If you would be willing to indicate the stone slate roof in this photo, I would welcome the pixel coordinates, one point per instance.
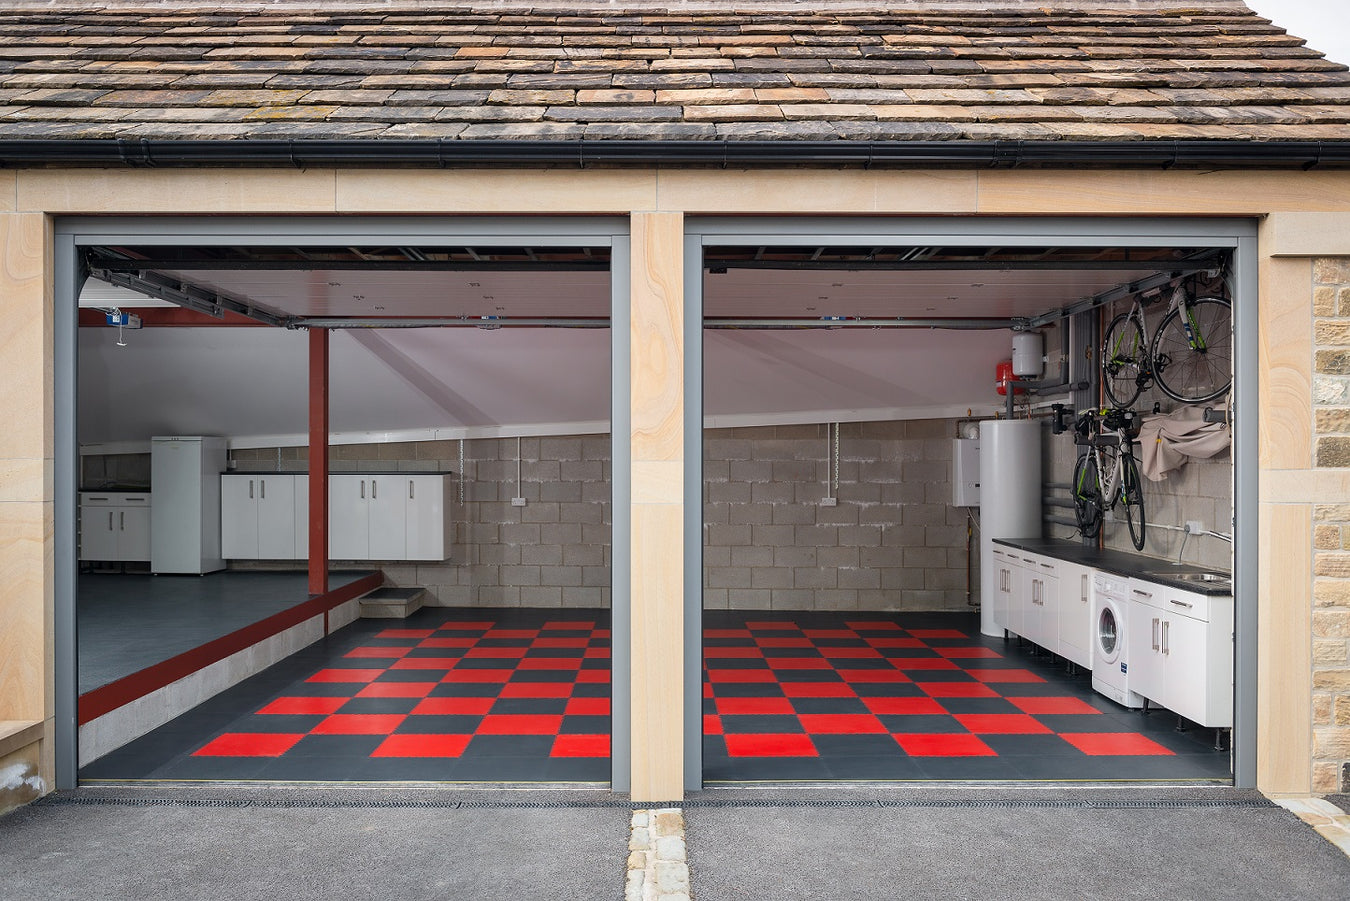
(458, 74)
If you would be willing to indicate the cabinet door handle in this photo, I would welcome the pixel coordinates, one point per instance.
(1165, 648)
(1155, 633)
(1085, 588)
(250, 489)
(363, 489)
(1180, 603)
(372, 489)
(262, 489)
(1143, 594)
(122, 521)
(110, 528)
(410, 489)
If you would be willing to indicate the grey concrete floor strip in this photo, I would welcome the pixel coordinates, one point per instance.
(122, 851)
(1009, 853)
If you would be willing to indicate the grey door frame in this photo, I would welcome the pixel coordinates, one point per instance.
(1237, 235)
(73, 233)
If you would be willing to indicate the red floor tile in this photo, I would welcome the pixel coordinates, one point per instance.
(1005, 675)
(741, 675)
(453, 706)
(478, 675)
(873, 675)
(712, 724)
(1109, 744)
(818, 690)
(346, 675)
(587, 707)
(512, 633)
(535, 663)
(447, 643)
(873, 626)
(799, 663)
(422, 746)
(591, 676)
(503, 653)
(707, 690)
(937, 633)
(425, 663)
(520, 724)
(536, 690)
(406, 633)
(904, 706)
(597, 653)
(600, 633)
(770, 746)
(841, 653)
(359, 724)
(1001, 724)
(559, 642)
(957, 690)
(397, 690)
(841, 723)
(724, 653)
(304, 705)
(969, 653)
(1053, 705)
(377, 652)
(580, 746)
(249, 744)
(956, 745)
(748, 706)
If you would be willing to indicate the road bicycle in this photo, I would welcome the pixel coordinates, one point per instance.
(1190, 356)
(1107, 473)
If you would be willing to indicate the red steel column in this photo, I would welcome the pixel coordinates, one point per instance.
(318, 461)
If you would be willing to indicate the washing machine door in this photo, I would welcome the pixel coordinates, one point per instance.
(1110, 633)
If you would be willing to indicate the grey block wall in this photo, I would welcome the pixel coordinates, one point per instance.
(892, 541)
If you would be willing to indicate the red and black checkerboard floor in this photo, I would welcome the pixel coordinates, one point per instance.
(819, 696)
(524, 696)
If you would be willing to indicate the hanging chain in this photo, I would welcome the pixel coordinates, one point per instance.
(461, 470)
(834, 480)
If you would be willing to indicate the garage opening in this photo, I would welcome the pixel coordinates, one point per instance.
(904, 573)
(464, 630)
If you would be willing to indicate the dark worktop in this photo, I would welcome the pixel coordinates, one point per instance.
(1118, 563)
(382, 472)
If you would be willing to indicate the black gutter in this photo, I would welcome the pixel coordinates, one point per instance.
(431, 153)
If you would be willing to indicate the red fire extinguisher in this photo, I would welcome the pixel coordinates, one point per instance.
(1003, 374)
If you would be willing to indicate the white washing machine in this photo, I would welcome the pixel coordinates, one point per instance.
(1110, 655)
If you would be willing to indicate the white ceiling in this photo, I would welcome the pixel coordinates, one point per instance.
(249, 384)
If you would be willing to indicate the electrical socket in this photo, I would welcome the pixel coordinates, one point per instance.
(517, 501)
(829, 501)
(1194, 527)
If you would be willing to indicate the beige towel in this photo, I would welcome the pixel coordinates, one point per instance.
(1165, 442)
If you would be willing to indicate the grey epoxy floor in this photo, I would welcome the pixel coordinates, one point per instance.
(127, 622)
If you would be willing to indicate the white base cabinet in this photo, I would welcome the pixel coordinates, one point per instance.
(397, 516)
(1075, 613)
(1181, 651)
(114, 527)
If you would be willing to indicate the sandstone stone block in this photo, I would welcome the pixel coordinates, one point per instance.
(1331, 623)
(1332, 742)
(1323, 706)
(1329, 652)
(1334, 565)
(1330, 270)
(1333, 452)
(1330, 391)
(1332, 680)
(1327, 538)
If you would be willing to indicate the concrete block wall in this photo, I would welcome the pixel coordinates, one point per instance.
(892, 542)
(553, 552)
(1331, 530)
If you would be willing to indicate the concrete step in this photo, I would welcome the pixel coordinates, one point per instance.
(392, 603)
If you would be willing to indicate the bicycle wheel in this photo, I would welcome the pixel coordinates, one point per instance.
(1132, 496)
(1192, 351)
(1087, 496)
(1124, 360)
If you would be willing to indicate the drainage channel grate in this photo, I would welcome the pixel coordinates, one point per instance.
(949, 803)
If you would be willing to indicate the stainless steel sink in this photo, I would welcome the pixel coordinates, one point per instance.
(1200, 578)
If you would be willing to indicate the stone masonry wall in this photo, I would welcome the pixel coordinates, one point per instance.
(893, 541)
(1331, 530)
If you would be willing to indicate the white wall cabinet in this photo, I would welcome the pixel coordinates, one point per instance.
(114, 527)
(1181, 651)
(397, 516)
(262, 516)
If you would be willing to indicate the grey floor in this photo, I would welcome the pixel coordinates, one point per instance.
(127, 621)
(244, 843)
